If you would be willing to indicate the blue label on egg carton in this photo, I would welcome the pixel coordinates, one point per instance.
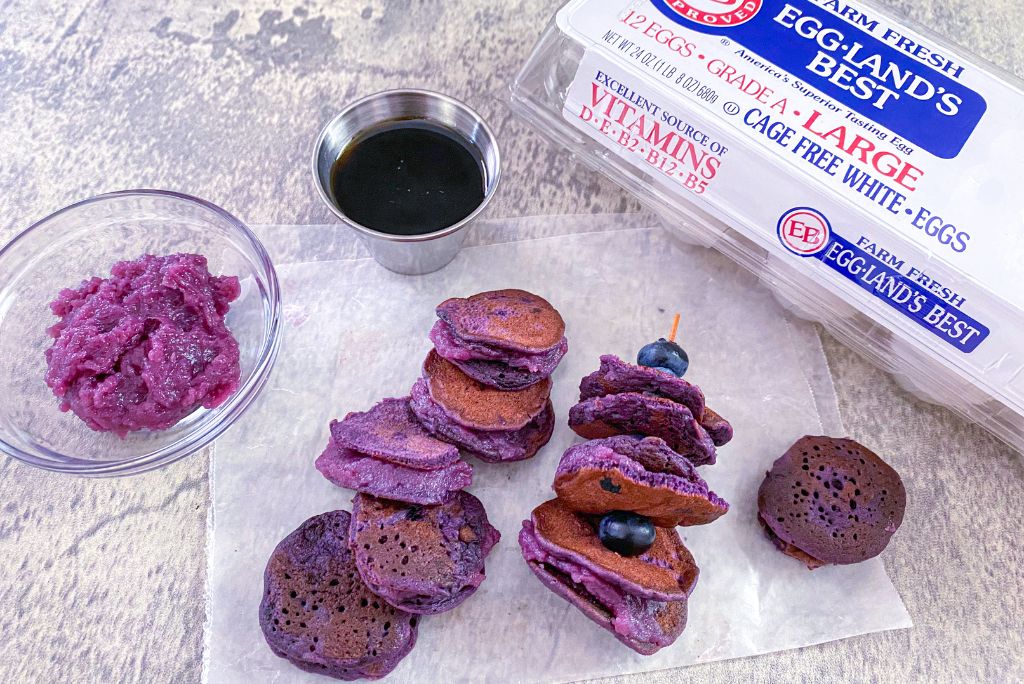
(891, 79)
(807, 232)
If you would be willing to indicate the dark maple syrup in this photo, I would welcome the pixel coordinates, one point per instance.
(408, 177)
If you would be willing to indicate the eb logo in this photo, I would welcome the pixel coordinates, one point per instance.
(804, 231)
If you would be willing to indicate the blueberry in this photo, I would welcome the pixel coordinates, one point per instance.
(664, 355)
(625, 533)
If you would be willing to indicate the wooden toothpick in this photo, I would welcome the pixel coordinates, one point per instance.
(675, 327)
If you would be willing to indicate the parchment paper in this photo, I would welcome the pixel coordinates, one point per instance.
(356, 333)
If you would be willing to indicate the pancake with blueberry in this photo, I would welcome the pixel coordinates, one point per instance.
(421, 559)
(508, 339)
(317, 613)
(623, 573)
(491, 424)
(642, 475)
(830, 501)
(616, 376)
(386, 452)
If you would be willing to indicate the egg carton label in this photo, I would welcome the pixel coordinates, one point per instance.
(754, 107)
(890, 79)
(807, 232)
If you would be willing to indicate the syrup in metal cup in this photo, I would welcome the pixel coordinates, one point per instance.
(408, 170)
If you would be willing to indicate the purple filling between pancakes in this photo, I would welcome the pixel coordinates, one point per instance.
(456, 349)
(499, 375)
(636, 413)
(633, 620)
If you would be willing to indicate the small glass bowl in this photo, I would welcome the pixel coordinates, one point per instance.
(85, 240)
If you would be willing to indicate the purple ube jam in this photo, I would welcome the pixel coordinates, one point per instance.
(145, 347)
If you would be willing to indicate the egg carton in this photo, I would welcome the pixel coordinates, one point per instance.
(860, 165)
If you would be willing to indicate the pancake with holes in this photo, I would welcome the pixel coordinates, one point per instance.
(830, 501)
(644, 414)
(641, 600)
(386, 452)
(422, 559)
(642, 475)
(318, 614)
(615, 376)
(493, 425)
(509, 339)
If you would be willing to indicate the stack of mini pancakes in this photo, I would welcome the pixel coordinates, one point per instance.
(342, 594)
(647, 432)
(486, 386)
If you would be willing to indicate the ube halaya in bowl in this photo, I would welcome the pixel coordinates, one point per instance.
(135, 327)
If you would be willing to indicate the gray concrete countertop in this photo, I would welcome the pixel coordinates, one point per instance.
(103, 580)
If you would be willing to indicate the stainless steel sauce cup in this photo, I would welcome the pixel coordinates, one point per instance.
(409, 254)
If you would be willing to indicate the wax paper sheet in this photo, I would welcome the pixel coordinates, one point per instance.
(356, 333)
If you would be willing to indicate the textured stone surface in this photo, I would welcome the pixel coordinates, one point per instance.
(103, 579)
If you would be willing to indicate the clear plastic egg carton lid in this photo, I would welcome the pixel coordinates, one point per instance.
(862, 166)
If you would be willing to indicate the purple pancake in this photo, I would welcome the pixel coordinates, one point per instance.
(421, 559)
(615, 376)
(640, 600)
(477, 406)
(718, 427)
(643, 414)
(353, 470)
(541, 364)
(643, 475)
(493, 446)
(508, 339)
(831, 501)
(390, 432)
(513, 320)
(318, 614)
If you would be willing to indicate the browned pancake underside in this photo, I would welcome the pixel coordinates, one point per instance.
(599, 490)
(477, 405)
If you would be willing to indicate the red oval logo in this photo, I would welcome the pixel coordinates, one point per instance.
(716, 12)
(804, 231)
